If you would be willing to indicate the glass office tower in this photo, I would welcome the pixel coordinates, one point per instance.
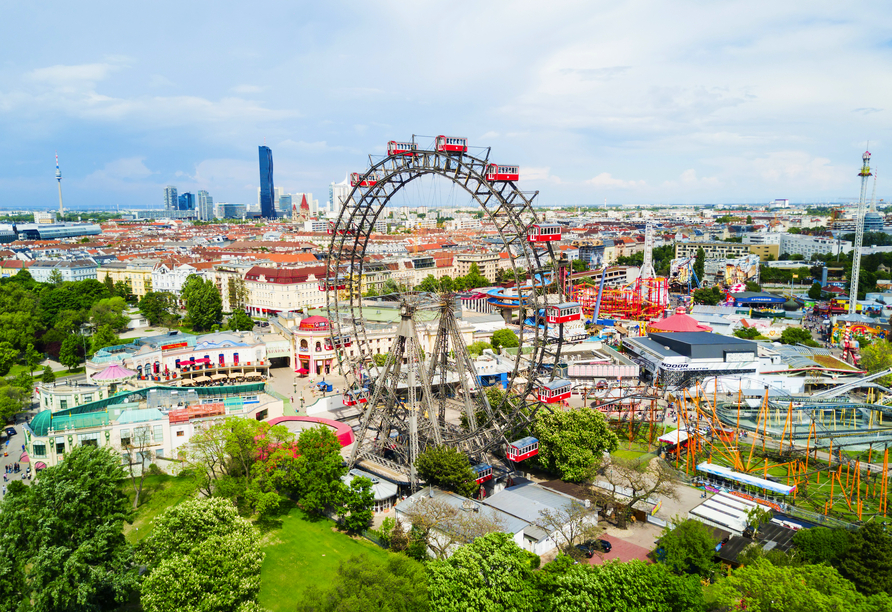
(267, 189)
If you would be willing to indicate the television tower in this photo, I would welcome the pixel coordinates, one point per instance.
(59, 179)
(859, 233)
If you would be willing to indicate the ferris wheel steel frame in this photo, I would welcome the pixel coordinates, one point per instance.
(401, 435)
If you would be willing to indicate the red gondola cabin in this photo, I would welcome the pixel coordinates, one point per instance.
(357, 180)
(523, 449)
(554, 391)
(563, 313)
(337, 284)
(483, 472)
(341, 231)
(401, 148)
(544, 232)
(339, 342)
(351, 398)
(451, 144)
(495, 173)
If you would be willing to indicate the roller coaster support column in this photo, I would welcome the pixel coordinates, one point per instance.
(600, 293)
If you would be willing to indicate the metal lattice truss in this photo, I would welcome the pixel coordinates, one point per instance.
(414, 400)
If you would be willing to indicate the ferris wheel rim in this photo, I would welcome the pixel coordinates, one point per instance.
(367, 194)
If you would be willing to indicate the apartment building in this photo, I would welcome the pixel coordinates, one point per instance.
(274, 290)
(713, 250)
(135, 272)
(487, 263)
(70, 271)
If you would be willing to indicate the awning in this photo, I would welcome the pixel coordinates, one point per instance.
(40, 465)
(202, 360)
(253, 375)
(674, 437)
(202, 379)
(729, 474)
(187, 382)
(303, 371)
(25, 458)
(219, 377)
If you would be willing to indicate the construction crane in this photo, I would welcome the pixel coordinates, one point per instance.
(859, 232)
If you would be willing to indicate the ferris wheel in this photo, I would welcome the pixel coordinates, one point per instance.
(430, 394)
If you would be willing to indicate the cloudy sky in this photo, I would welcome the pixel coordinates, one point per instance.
(635, 101)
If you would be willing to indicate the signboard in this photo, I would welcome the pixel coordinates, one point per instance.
(741, 270)
(167, 347)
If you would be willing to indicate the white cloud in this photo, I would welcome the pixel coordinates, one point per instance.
(605, 180)
(61, 75)
(528, 173)
(247, 89)
(126, 174)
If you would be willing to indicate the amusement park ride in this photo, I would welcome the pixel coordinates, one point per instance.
(417, 400)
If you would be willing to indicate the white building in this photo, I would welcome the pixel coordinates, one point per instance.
(204, 206)
(70, 271)
(172, 279)
(809, 246)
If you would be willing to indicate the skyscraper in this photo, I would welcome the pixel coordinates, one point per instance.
(170, 198)
(204, 205)
(186, 201)
(267, 189)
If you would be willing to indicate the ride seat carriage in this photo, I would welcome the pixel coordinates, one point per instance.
(401, 148)
(357, 180)
(544, 232)
(554, 391)
(496, 173)
(563, 313)
(523, 449)
(451, 144)
(352, 398)
(483, 472)
(332, 284)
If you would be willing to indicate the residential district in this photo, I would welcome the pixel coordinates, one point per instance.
(489, 405)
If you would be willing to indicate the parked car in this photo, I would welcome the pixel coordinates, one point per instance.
(586, 550)
(10, 431)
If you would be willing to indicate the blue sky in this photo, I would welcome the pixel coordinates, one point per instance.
(640, 101)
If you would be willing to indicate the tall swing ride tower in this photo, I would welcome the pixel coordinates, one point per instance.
(859, 232)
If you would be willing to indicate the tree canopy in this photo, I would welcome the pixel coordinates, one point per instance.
(204, 307)
(504, 338)
(63, 547)
(688, 547)
(448, 468)
(571, 443)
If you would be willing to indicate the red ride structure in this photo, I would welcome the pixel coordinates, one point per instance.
(563, 313)
(496, 173)
(643, 300)
(356, 180)
(523, 449)
(451, 144)
(483, 472)
(401, 148)
(554, 391)
(544, 232)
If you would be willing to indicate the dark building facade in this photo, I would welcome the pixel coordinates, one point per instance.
(267, 188)
(186, 201)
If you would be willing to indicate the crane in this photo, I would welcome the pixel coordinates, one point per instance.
(859, 232)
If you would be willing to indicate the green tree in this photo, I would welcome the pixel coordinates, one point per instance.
(201, 555)
(876, 358)
(504, 338)
(688, 547)
(32, 358)
(238, 294)
(795, 335)
(700, 263)
(55, 277)
(747, 333)
(70, 353)
(357, 503)
(822, 545)
(476, 349)
(158, 307)
(709, 297)
(240, 321)
(63, 540)
(754, 287)
(815, 291)
(320, 468)
(633, 586)
(109, 311)
(204, 306)
(571, 443)
(13, 400)
(363, 584)
(48, 375)
(104, 336)
(447, 468)
(380, 359)
(390, 286)
(868, 561)
(8, 356)
(579, 265)
(429, 284)
(762, 586)
(749, 220)
(491, 574)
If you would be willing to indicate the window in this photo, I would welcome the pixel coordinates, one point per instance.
(88, 398)
(158, 434)
(181, 433)
(159, 452)
(88, 439)
(40, 450)
(63, 404)
(60, 445)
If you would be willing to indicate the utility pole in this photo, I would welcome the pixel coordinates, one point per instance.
(859, 233)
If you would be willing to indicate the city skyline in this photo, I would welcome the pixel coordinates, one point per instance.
(635, 103)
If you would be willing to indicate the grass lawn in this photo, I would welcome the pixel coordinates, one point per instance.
(158, 494)
(303, 552)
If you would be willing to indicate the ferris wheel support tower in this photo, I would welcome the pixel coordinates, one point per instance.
(647, 266)
(859, 232)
